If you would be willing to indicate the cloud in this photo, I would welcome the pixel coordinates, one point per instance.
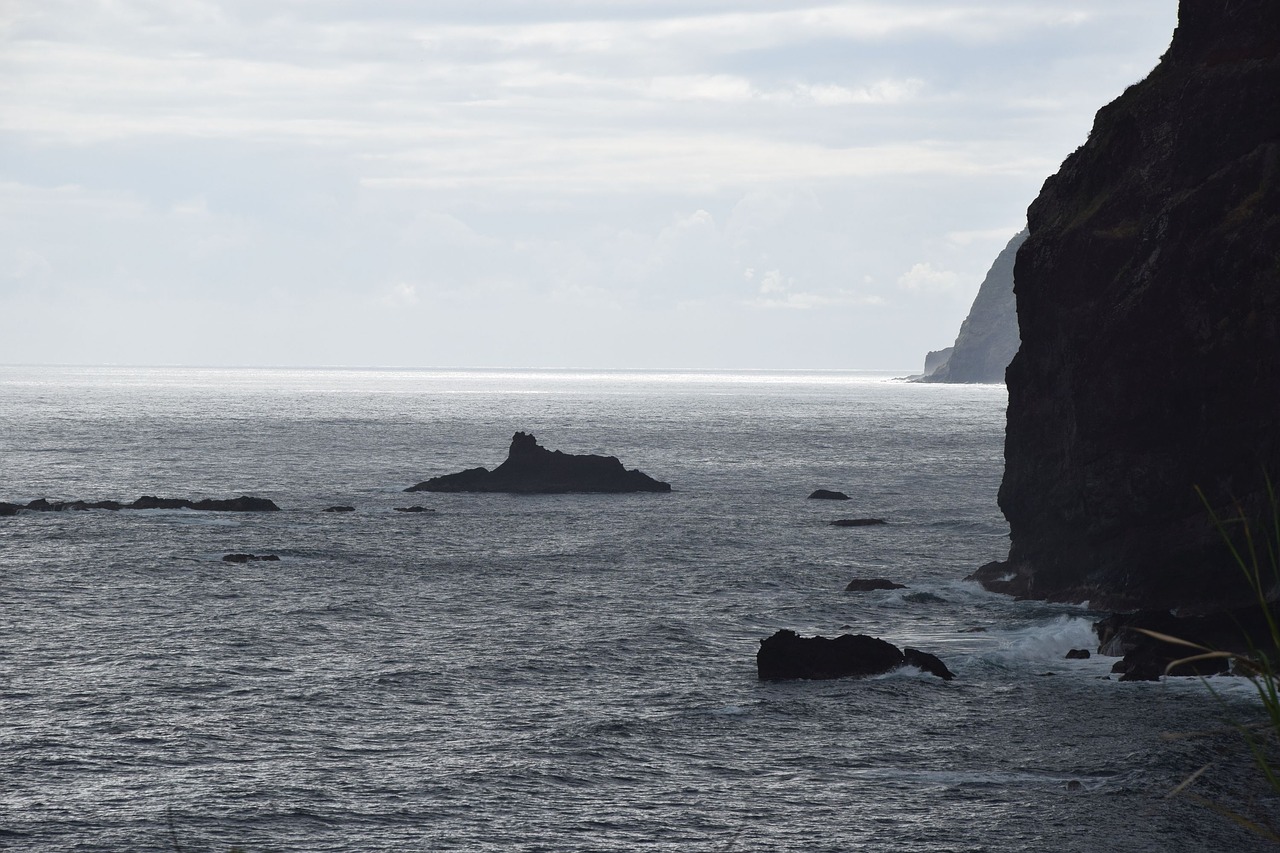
(924, 277)
(754, 165)
(400, 295)
(886, 91)
(777, 291)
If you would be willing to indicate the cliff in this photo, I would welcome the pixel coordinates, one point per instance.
(1147, 295)
(988, 337)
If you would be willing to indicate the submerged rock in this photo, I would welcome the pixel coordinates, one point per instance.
(828, 495)
(924, 598)
(250, 558)
(786, 655)
(339, 509)
(532, 469)
(46, 505)
(1078, 654)
(870, 584)
(857, 522)
(244, 503)
(414, 508)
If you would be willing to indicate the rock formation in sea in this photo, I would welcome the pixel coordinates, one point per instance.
(787, 655)
(827, 495)
(532, 469)
(872, 584)
(244, 503)
(988, 337)
(1148, 295)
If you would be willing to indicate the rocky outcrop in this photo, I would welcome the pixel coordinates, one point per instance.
(926, 662)
(244, 503)
(827, 495)
(339, 509)
(250, 558)
(414, 508)
(857, 522)
(787, 655)
(1148, 295)
(988, 337)
(532, 469)
(872, 584)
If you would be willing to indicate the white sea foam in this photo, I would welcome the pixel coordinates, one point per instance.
(1048, 641)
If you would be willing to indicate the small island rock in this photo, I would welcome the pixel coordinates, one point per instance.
(250, 558)
(857, 522)
(786, 655)
(532, 469)
(828, 495)
(870, 584)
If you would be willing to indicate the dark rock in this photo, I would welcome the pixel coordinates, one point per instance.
(9, 509)
(244, 503)
(250, 558)
(532, 469)
(787, 655)
(869, 584)
(1078, 654)
(828, 495)
(924, 598)
(46, 505)
(996, 576)
(414, 508)
(976, 629)
(988, 337)
(857, 522)
(240, 504)
(340, 509)
(1148, 296)
(1146, 658)
(1120, 633)
(926, 662)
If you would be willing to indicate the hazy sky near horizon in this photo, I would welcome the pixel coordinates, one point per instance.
(565, 183)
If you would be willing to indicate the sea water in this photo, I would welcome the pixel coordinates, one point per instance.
(560, 672)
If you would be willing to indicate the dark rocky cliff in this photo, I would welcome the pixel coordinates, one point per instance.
(1148, 297)
(988, 337)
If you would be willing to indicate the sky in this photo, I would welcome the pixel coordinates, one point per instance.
(530, 183)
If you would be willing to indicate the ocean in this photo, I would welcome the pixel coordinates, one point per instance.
(560, 672)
